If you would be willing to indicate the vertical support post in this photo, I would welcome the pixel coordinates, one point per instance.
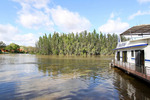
(131, 34)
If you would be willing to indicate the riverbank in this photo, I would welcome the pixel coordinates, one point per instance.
(112, 55)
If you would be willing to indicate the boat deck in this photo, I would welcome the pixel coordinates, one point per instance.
(131, 69)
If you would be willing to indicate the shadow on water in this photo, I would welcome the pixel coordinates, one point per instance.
(61, 77)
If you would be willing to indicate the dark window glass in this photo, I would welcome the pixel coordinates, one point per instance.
(118, 56)
(132, 53)
(124, 56)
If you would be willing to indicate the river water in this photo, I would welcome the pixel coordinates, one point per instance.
(35, 77)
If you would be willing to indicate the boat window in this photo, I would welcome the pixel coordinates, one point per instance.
(118, 56)
(124, 56)
(132, 53)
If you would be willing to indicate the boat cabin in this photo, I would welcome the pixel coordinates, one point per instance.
(133, 55)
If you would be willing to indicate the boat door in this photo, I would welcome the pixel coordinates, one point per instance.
(139, 60)
(118, 56)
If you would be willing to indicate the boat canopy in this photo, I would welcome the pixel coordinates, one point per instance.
(138, 30)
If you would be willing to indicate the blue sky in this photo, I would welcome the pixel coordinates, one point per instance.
(23, 21)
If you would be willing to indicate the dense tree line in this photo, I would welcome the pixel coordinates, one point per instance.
(84, 43)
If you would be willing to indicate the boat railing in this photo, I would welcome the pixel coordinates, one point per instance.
(131, 67)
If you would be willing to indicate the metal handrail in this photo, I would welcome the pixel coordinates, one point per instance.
(131, 66)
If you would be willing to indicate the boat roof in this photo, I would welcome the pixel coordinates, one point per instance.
(138, 30)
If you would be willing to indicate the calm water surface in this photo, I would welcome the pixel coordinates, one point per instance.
(66, 78)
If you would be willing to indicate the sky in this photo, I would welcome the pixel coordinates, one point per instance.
(23, 21)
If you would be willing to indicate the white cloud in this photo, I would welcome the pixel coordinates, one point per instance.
(7, 32)
(34, 14)
(34, 20)
(69, 21)
(139, 13)
(28, 39)
(114, 26)
(10, 34)
(37, 14)
(6, 29)
(143, 1)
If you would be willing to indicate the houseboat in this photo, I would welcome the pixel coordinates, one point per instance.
(133, 56)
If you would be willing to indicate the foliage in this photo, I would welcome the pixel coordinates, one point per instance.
(123, 39)
(14, 48)
(31, 50)
(83, 43)
(2, 45)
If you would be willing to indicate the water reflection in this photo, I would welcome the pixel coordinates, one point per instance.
(59, 77)
(129, 87)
